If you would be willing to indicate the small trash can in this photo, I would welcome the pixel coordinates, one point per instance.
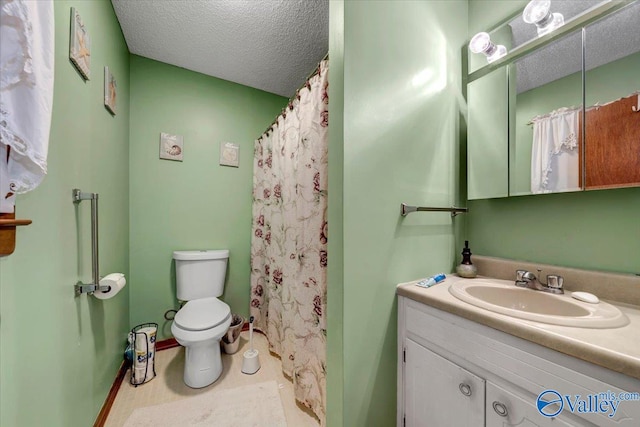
(143, 344)
(231, 340)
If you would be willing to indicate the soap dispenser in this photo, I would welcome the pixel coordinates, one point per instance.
(466, 267)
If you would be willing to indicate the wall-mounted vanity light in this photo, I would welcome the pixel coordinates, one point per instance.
(538, 12)
(481, 43)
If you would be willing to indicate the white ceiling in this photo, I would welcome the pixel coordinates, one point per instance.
(272, 45)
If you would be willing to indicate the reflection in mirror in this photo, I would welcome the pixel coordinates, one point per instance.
(545, 94)
(516, 32)
(538, 12)
(487, 146)
(612, 89)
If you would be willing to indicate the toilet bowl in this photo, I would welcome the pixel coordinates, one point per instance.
(199, 326)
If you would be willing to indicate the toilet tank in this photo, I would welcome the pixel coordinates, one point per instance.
(200, 274)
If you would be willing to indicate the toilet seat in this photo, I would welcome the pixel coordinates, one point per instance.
(202, 314)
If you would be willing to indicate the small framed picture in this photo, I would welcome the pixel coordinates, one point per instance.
(80, 45)
(229, 154)
(171, 147)
(110, 91)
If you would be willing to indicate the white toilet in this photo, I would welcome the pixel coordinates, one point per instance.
(204, 319)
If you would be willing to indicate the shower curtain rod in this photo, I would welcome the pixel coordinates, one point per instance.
(591, 107)
(289, 103)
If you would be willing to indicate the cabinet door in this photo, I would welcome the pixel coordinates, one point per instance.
(438, 392)
(505, 409)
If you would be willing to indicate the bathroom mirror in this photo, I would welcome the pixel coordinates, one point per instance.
(612, 90)
(487, 130)
(545, 94)
(545, 81)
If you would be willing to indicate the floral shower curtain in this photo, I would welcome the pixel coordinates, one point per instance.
(289, 239)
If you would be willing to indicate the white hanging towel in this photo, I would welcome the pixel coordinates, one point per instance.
(555, 161)
(26, 95)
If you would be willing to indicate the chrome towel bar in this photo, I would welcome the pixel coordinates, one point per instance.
(406, 209)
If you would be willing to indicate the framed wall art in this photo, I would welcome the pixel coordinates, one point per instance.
(80, 45)
(171, 147)
(110, 91)
(229, 154)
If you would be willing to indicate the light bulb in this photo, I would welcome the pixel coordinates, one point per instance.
(538, 12)
(481, 43)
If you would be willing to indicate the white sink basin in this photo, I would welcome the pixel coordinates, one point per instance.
(501, 296)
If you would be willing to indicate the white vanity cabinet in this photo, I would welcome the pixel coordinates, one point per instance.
(456, 372)
(440, 393)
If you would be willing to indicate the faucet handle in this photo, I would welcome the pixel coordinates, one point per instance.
(519, 275)
(555, 282)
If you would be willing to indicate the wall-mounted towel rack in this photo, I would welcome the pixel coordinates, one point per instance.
(80, 287)
(8, 224)
(12, 222)
(406, 210)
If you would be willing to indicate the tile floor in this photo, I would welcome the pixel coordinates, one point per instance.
(168, 386)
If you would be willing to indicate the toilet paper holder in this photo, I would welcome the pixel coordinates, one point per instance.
(81, 288)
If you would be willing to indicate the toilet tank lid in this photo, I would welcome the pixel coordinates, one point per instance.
(200, 255)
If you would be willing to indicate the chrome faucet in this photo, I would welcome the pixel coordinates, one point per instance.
(526, 279)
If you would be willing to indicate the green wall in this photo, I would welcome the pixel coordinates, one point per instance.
(400, 143)
(594, 229)
(59, 354)
(488, 14)
(335, 266)
(597, 230)
(194, 204)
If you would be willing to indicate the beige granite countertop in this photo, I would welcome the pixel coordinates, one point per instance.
(617, 349)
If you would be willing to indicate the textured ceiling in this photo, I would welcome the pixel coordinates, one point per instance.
(272, 45)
